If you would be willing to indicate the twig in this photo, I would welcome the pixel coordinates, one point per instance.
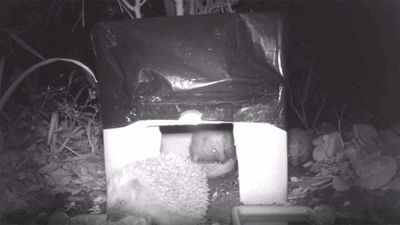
(83, 13)
(320, 108)
(295, 109)
(120, 6)
(304, 114)
(221, 4)
(89, 136)
(143, 2)
(52, 127)
(25, 45)
(229, 6)
(339, 121)
(70, 79)
(179, 7)
(200, 9)
(307, 87)
(124, 8)
(75, 100)
(64, 145)
(76, 22)
(80, 157)
(138, 4)
(298, 113)
(135, 8)
(325, 186)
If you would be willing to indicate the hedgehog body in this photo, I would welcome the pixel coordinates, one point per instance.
(165, 190)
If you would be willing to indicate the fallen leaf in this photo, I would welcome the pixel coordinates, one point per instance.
(375, 171)
(330, 145)
(368, 137)
(340, 184)
(353, 153)
(393, 184)
(391, 142)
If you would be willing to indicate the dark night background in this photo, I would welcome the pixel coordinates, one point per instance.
(353, 44)
(352, 47)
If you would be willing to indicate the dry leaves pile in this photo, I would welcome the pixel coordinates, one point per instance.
(364, 159)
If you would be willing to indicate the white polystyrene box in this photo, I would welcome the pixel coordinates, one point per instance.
(137, 141)
(260, 148)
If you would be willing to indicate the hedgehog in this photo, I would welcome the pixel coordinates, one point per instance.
(165, 190)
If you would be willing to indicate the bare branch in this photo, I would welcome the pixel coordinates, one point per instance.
(120, 6)
(83, 13)
(191, 7)
(179, 7)
(294, 107)
(143, 2)
(76, 22)
(324, 97)
(24, 45)
(135, 8)
(124, 8)
(138, 14)
(128, 5)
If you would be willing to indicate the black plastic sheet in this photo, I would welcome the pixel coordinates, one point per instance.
(227, 66)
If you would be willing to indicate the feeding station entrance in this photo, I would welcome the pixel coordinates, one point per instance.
(163, 78)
